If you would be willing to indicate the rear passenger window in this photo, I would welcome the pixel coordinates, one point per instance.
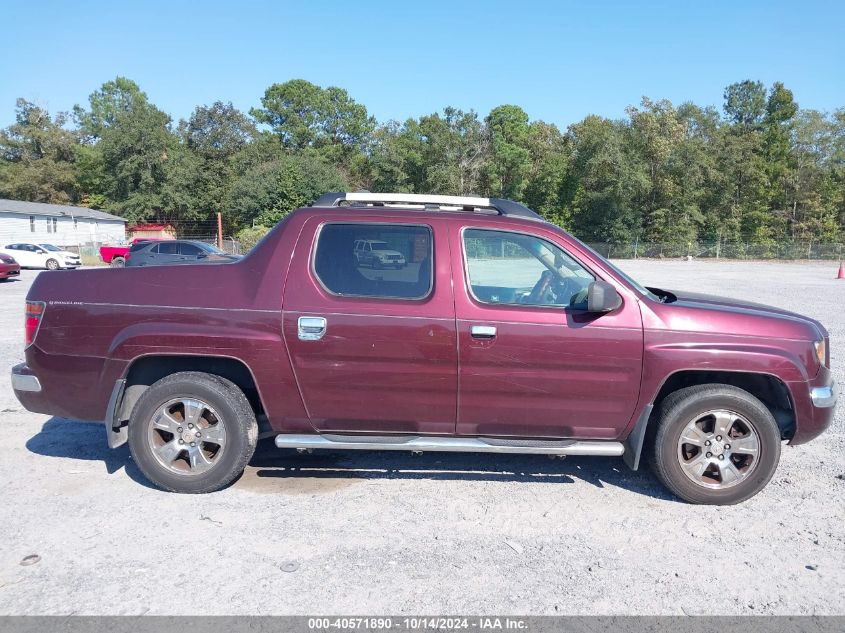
(375, 260)
(168, 248)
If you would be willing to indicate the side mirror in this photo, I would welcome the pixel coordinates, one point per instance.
(602, 297)
(202, 255)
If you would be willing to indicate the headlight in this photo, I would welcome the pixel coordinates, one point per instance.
(821, 351)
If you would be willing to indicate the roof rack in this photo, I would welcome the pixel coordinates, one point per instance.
(427, 202)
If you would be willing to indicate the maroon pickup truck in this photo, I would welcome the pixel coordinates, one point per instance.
(501, 333)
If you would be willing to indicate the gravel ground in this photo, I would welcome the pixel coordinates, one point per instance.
(364, 533)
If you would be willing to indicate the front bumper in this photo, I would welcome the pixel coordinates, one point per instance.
(825, 397)
(815, 404)
(9, 270)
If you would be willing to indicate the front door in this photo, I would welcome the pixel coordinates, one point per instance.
(373, 350)
(533, 363)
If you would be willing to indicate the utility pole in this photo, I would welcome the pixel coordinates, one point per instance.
(220, 230)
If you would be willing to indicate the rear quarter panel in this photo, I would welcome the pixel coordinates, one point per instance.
(97, 322)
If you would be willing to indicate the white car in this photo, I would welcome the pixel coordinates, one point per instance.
(47, 256)
(376, 254)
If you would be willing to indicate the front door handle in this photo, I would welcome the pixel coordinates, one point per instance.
(311, 328)
(482, 331)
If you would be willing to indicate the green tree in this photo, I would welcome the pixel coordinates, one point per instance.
(304, 115)
(510, 159)
(778, 124)
(38, 157)
(267, 192)
(134, 140)
(604, 180)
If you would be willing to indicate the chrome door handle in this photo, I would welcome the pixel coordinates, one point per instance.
(482, 331)
(311, 328)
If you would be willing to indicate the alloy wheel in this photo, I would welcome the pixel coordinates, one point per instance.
(719, 449)
(187, 436)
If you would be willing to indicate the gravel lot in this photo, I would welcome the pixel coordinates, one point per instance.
(364, 533)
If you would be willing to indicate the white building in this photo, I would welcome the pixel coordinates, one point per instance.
(58, 224)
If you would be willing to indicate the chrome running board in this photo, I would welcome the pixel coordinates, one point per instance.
(450, 444)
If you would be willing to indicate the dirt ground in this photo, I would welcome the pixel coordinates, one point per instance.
(367, 533)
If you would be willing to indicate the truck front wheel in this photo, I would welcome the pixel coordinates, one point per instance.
(715, 444)
(117, 262)
(192, 432)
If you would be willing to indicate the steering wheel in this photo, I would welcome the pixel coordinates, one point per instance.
(538, 292)
(562, 289)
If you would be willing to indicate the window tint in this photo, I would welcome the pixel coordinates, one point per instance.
(190, 249)
(402, 270)
(516, 269)
(168, 248)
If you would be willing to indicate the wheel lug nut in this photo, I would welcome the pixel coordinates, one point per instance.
(709, 454)
(718, 438)
(198, 435)
(193, 443)
(721, 457)
(727, 446)
(181, 441)
(190, 426)
(708, 443)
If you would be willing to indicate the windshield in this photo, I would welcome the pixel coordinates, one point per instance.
(50, 247)
(209, 248)
(637, 285)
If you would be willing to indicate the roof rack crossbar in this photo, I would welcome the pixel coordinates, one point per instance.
(428, 202)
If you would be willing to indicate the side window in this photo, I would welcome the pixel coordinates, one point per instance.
(168, 248)
(516, 269)
(189, 249)
(403, 270)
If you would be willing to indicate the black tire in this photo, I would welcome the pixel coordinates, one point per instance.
(684, 405)
(117, 262)
(52, 264)
(234, 411)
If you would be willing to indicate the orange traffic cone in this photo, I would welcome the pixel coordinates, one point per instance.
(841, 273)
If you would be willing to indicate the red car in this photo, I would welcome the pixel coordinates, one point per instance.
(8, 267)
(501, 334)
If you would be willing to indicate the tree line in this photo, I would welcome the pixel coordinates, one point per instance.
(761, 170)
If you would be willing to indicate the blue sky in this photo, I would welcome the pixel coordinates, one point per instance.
(558, 60)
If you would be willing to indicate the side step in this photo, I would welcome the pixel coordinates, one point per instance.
(450, 444)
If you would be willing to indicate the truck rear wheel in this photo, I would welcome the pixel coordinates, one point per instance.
(117, 262)
(715, 444)
(192, 432)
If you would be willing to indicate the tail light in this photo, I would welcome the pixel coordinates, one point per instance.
(34, 312)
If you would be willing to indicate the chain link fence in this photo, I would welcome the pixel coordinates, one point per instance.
(809, 250)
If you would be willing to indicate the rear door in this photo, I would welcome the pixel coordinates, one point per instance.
(165, 253)
(21, 256)
(373, 350)
(533, 363)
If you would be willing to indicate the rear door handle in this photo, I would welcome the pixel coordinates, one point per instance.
(482, 331)
(311, 328)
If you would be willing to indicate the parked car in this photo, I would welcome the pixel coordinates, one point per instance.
(503, 334)
(8, 267)
(169, 252)
(376, 254)
(71, 258)
(37, 256)
(115, 256)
